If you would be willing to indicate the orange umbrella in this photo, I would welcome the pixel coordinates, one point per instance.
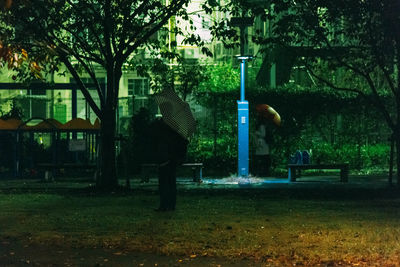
(269, 113)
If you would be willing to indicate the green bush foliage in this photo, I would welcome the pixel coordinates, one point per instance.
(335, 127)
(365, 157)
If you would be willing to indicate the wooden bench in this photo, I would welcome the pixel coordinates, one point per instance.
(343, 167)
(49, 168)
(197, 170)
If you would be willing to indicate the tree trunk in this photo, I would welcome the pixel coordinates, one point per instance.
(391, 158)
(397, 141)
(215, 130)
(107, 178)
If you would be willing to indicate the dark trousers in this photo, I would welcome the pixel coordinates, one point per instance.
(167, 186)
(262, 165)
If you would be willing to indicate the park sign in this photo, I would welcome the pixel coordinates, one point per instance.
(76, 145)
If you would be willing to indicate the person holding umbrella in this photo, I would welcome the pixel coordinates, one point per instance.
(170, 136)
(263, 138)
(262, 158)
(169, 150)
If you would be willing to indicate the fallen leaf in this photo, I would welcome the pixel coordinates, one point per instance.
(193, 256)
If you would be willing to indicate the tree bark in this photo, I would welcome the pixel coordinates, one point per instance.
(397, 141)
(215, 129)
(107, 178)
(391, 139)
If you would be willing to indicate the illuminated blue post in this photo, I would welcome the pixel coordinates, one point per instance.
(243, 124)
(243, 105)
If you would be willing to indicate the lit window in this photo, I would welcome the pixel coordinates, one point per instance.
(138, 87)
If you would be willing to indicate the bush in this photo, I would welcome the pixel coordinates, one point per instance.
(223, 160)
(336, 127)
(375, 156)
(364, 157)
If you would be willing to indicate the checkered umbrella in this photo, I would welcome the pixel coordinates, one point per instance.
(176, 113)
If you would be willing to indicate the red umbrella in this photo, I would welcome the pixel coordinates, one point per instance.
(269, 113)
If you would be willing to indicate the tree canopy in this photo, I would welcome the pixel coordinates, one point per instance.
(86, 36)
(348, 45)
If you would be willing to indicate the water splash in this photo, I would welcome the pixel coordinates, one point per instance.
(235, 180)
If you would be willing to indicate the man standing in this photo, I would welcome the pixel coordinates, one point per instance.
(173, 131)
(169, 151)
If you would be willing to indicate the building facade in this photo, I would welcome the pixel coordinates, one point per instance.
(135, 91)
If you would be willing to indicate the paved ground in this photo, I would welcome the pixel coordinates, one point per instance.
(330, 181)
(326, 181)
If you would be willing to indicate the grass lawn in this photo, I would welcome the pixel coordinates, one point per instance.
(320, 224)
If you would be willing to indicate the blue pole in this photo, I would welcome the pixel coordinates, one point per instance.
(243, 126)
(242, 78)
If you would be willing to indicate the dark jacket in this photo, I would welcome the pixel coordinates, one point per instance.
(165, 144)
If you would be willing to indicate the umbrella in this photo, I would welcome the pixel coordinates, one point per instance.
(269, 113)
(176, 113)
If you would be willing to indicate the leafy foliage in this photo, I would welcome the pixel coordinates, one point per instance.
(15, 112)
(220, 78)
(350, 46)
(184, 76)
(86, 36)
(326, 128)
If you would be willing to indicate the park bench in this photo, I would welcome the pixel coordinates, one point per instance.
(49, 168)
(294, 170)
(197, 170)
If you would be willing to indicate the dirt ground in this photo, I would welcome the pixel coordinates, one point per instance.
(25, 253)
(18, 253)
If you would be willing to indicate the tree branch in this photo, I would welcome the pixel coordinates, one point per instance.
(128, 19)
(82, 86)
(107, 23)
(90, 25)
(374, 101)
(332, 85)
(172, 10)
(373, 44)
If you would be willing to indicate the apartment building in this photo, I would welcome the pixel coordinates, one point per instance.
(135, 91)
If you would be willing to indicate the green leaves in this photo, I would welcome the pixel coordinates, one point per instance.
(220, 78)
